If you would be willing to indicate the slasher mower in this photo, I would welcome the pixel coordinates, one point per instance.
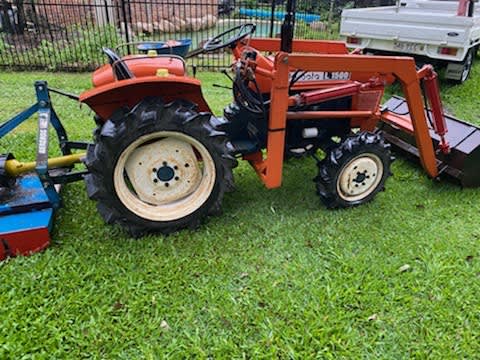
(160, 161)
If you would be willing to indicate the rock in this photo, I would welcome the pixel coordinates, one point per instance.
(185, 25)
(137, 27)
(318, 26)
(165, 26)
(159, 26)
(142, 27)
(179, 24)
(164, 325)
(404, 268)
(147, 28)
(170, 27)
(209, 21)
(125, 28)
(195, 24)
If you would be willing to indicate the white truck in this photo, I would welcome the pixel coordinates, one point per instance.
(439, 32)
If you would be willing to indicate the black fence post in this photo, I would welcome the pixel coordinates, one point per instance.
(272, 18)
(8, 27)
(107, 12)
(125, 22)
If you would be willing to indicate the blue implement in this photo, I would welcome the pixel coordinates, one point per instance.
(26, 217)
(28, 202)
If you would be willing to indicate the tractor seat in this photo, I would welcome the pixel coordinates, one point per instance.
(140, 66)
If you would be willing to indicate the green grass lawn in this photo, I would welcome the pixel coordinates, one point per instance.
(276, 276)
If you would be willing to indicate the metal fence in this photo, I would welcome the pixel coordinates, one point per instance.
(69, 34)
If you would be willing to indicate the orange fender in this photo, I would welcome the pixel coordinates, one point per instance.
(105, 99)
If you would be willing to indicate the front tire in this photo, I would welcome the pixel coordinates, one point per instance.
(159, 168)
(355, 171)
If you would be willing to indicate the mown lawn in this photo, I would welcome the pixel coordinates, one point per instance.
(276, 276)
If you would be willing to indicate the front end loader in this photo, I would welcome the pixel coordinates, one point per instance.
(160, 161)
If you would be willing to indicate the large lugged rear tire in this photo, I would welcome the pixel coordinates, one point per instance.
(159, 168)
(355, 171)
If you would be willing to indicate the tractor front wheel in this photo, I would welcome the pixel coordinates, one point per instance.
(355, 171)
(159, 168)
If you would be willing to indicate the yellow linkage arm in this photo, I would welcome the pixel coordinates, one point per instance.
(15, 168)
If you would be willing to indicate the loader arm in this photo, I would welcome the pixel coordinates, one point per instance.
(432, 94)
(402, 68)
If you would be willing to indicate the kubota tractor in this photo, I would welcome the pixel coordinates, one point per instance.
(161, 161)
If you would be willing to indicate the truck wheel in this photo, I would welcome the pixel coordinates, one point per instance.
(355, 171)
(467, 66)
(159, 168)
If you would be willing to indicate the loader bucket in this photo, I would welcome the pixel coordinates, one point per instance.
(463, 161)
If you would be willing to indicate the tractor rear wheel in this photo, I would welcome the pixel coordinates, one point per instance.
(159, 168)
(355, 171)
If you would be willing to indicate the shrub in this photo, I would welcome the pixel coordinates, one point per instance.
(3, 44)
(83, 51)
(304, 31)
(86, 49)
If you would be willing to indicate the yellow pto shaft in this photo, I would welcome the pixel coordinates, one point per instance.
(15, 168)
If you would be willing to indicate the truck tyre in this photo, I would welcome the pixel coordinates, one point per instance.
(467, 66)
(355, 171)
(159, 168)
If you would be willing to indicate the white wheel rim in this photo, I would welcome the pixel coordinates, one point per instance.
(360, 177)
(164, 176)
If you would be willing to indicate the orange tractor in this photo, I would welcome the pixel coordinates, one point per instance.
(161, 161)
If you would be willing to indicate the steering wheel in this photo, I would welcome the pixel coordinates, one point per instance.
(119, 67)
(234, 34)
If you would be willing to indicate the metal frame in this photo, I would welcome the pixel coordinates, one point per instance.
(46, 116)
